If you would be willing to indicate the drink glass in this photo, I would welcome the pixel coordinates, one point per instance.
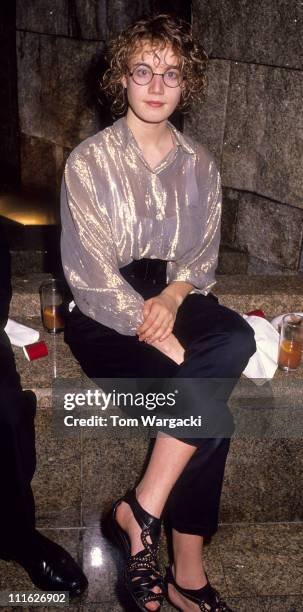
(291, 342)
(52, 305)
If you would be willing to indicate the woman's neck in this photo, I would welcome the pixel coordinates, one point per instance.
(148, 135)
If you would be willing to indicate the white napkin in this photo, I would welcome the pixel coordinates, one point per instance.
(20, 335)
(263, 364)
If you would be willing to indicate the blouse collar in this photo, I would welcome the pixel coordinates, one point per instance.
(126, 134)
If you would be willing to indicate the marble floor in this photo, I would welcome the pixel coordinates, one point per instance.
(256, 567)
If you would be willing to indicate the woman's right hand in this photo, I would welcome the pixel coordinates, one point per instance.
(171, 347)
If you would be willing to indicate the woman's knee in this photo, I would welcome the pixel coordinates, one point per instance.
(207, 448)
(235, 344)
(241, 341)
(231, 335)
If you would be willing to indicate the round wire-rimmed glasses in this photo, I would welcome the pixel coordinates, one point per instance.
(143, 75)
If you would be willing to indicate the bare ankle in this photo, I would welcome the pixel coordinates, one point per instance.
(124, 514)
(189, 577)
(148, 504)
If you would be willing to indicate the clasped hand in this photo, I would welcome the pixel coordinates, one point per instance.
(159, 317)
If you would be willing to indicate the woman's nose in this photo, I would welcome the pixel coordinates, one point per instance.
(156, 85)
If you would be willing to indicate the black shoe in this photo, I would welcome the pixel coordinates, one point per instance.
(50, 567)
(141, 571)
(207, 598)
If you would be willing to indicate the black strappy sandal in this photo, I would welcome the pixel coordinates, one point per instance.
(141, 571)
(207, 598)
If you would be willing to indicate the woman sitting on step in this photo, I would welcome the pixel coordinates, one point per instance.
(141, 211)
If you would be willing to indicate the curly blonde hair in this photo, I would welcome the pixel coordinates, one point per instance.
(159, 30)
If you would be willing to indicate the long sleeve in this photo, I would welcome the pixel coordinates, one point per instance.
(198, 265)
(89, 256)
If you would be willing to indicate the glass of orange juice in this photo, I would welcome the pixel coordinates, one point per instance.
(52, 305)
(291, 342)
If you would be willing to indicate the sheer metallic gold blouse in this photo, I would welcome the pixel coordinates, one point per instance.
(115, 208)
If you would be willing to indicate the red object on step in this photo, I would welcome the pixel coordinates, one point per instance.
(35, 350)
(256, 313)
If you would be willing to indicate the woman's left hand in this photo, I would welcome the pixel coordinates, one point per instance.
(159, 317)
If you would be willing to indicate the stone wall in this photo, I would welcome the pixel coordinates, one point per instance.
(9, 129)
(252, 121)
(59, 49)
(60, 46)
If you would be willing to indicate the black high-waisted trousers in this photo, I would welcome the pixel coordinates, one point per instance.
(218, 344)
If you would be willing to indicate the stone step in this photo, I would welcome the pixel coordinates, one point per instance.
(45, 257)
(272, 294)
(263, 477)
(27, 262)
(25, 299)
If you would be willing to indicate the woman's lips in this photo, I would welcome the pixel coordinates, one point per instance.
(155, 104)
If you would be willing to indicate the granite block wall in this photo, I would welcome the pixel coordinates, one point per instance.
(59, 44)
(56, 41)
(9, 128)
(252, 121)
(59, 60)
